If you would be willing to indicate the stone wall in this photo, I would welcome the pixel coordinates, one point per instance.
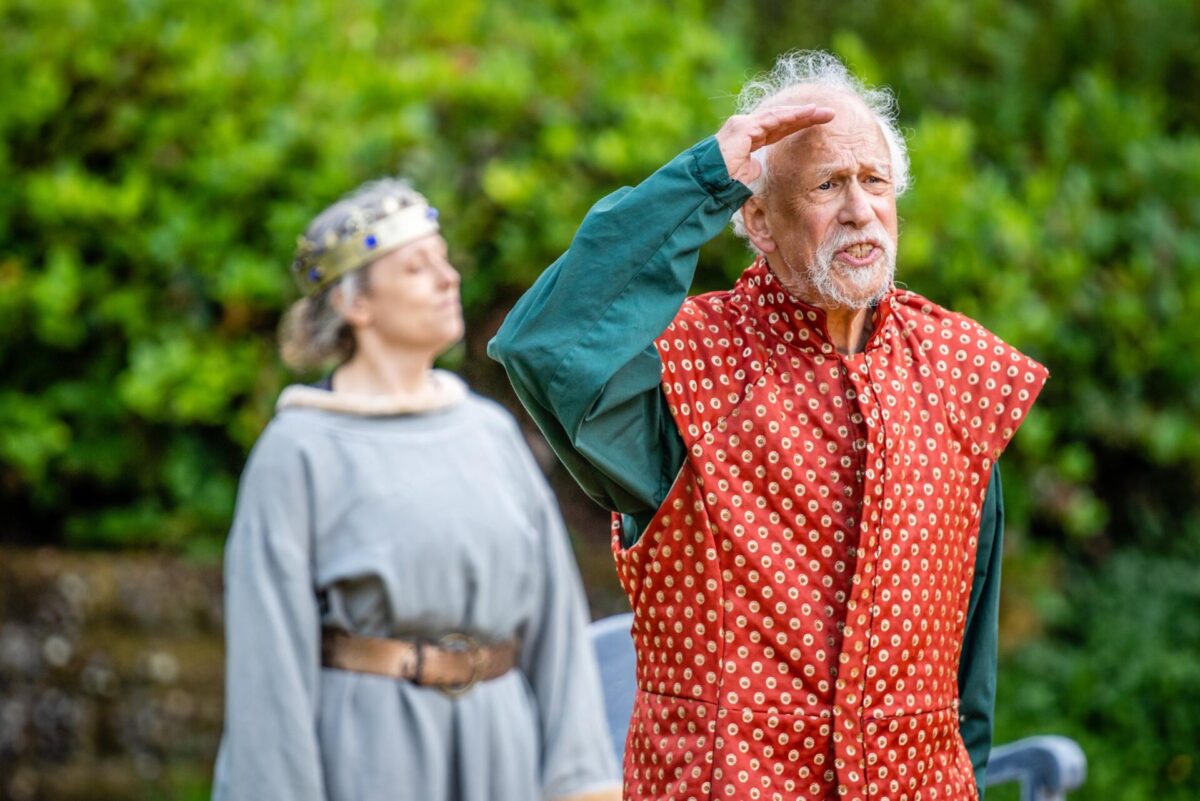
(110, 676)
(111, 668)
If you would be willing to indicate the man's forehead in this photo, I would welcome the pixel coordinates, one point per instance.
(852, 137)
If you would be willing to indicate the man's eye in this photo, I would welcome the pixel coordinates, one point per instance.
(826, 186)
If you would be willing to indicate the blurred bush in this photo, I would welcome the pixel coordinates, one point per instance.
(160, 158)
(163, 156)
(1121, 676)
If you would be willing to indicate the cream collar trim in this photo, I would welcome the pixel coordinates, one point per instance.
(443, 389)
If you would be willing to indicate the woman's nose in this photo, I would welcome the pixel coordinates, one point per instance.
(448, 275)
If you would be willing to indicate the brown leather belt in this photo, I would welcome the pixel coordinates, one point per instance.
(453, 664)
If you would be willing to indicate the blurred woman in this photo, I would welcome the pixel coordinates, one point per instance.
(404, 619)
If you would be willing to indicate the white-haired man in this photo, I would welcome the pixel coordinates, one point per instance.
(802, 468)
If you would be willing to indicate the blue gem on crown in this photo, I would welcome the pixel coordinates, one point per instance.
(370, 241)
(314, 274)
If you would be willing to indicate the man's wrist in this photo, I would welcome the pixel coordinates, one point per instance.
(708, 169)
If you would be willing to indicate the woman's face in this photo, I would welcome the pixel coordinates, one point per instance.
(411, 300)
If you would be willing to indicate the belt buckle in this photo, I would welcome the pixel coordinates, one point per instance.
(461, 643)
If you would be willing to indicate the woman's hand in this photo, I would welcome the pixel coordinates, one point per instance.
(613, 794)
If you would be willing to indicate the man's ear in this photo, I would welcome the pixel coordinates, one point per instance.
(356, 312)
(754, 216)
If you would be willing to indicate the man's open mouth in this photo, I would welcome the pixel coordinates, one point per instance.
(859, 253)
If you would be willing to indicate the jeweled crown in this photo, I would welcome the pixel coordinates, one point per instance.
(365, 233)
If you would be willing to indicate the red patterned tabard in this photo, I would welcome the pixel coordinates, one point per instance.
(800, 596)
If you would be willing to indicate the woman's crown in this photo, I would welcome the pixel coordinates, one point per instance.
(359, 234)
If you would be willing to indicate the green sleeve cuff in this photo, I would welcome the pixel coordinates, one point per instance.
(708, 168)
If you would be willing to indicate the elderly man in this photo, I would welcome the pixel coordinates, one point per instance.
(802, 468)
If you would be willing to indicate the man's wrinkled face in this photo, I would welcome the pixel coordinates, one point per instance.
(831, 208)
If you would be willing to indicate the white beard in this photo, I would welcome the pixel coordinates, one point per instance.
(834, 285)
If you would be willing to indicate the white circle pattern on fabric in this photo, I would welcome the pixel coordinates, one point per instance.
(801, 594)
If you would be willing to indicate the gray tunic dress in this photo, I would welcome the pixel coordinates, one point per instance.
(400, 526)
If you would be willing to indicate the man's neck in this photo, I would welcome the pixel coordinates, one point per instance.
(849, 328)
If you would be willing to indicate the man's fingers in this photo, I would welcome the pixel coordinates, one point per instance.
(781, 121)
(782, 113)
(742, 134)
(767, 122)
(788, 110)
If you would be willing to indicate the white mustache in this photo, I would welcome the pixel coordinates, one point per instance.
(865, 286)
(841, 238)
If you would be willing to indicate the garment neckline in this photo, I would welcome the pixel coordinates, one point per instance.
(797, 322)
(443, 390)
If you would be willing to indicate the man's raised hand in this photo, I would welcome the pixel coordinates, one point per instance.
(742, 134)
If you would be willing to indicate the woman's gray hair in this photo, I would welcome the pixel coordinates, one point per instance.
(313, 333)
(818, 68)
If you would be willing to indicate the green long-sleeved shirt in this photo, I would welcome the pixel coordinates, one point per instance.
(579, 350)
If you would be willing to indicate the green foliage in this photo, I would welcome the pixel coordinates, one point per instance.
(164, 156)
(160, 157)
(1121, 677)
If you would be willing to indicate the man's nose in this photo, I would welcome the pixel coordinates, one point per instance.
(856, 206)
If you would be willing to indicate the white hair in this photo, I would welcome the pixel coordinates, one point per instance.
(818, 68)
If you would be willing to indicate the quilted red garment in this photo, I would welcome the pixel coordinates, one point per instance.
(800, 596)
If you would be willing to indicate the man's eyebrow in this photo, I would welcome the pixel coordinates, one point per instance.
(832, 168)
